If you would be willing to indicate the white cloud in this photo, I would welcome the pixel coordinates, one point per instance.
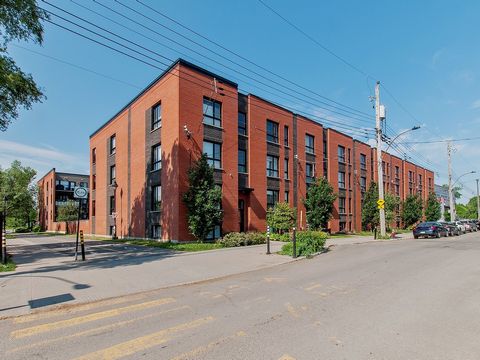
(476, 104)
(42, 158)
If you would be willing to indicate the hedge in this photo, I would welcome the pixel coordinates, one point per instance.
(308, 243)
(234, 239)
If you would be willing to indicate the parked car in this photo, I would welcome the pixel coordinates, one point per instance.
(461, 227)
(455, 231)
(451, 230)
(468, 226)
(429, 229)
(473, 224)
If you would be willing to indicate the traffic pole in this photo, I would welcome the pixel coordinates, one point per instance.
(82, 245)
(268, 240)
(294, 240)
(78, 228)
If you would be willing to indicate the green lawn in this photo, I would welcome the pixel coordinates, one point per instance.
(9, 266)
(362, 233)
(189, 247)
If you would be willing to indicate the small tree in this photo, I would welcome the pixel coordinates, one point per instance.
(319, 203)
(203, 199)
(370, 214)
(412, 210)
(68, 213)
(281, 217)
(432, 208)
(392, 203)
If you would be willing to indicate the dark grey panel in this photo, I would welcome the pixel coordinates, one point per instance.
(342, 167)
(217, 175)
(242, 181)
(286, 152)
(342, 192)
(242, 103)
(242, 142)
(273, 149)
(273, 183)
(212, 133)
(310, 158)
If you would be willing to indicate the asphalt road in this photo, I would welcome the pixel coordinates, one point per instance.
(407, 299)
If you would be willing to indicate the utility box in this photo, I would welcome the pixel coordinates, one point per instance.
(382, 112)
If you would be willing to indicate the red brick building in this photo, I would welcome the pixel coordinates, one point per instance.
(261, 153)
(54, 190)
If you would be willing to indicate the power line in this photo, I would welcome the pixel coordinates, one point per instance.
(441, 141)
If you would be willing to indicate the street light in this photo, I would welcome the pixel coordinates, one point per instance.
(453, 214)
(400, 134)
(114, 185)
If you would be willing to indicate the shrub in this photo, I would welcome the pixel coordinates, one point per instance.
(234, 239)
(21, 230)
(308, 243)
(36, 228)
(286, 237)
(281, 217)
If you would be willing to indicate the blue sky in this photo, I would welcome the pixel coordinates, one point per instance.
(424, 53)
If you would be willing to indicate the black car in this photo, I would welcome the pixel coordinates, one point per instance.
(430, 229)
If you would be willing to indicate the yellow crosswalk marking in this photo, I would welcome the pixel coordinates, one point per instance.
(76, 308)
(96, 329)
(144, 342)
(203, 349)
(87, 318)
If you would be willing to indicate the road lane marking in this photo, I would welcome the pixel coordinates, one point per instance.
(75, 309)
(292, 310)
(204, 349)
(97, 329)
(286, 357)
(87, 318)
(312, 287)
(144, 342)
(274, 279)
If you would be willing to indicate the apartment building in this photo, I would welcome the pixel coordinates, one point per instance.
(54, 190)
(261, 154)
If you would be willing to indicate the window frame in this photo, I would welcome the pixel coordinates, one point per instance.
(340, 181)
(275, 194)
(310, 177)
(94, 156)
(242, 130)
(341, 156)
(272, 171)
(212, 160)
(286, 174)
(273, 138)
(242, 167)
(112, 204)
(156, 164)
(285, 135)
(156, 204)
(215, 120)
(342, 205)
(363, 161)
(156, 122)
(309, 148)
(113, 144)
(114, 173)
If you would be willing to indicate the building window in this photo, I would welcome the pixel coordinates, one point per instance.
(156, 231)
(286, 196)
(113, 174)
(156, 197)
(397, 172)
(93, 207)
(112, 205)
(212, 112)
(272, 166)
(349, 156)
(156, 116)
(341, 154)
(363, 161)
(272, 198)
(156, 157)
(397, 189)
(310, 172)
(342, 225)
(94, 156)
(214, 154)
(242, 161)
(216, 233)
(341, 205)
(285, 168)
(363, 184)
(309, 144)
(272, 131)
(83, 184)
(341, 180)
(242, 123)
(410, 176)
(111, 230)
(285, 135)
(94, 182)
(113, 144)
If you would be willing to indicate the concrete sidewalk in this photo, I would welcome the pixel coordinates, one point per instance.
(47, 274)
(349, 240)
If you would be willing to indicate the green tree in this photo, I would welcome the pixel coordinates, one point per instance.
(202, 199)
(281, 217)
(319, 203)
(412, 210)
(455, 190)
(392, 204)
(68, 212)
(18, 194)
(467, 211)
(20, 20)
(432, 208)
(370, 214)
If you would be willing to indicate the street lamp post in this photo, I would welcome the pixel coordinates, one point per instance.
(453, 214)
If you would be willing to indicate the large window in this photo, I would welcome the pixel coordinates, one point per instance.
(214, 154)
(242, 161)
(156, 197)
(156, 116)
(309, 144)
(94, 182)
(212, 112)
(156, 157)
(363, 184)
(156, 231)
(341, 180)
(341, 154)
(286, 196)
(112, 205)
(113, 144)
(216, 233)
(285, 168)
(310, 172)
(285, 135)
(272, 131)
(341, 205)
(94, 156)
(113, 174)
(272, 198)
(272, 166)
(363, 161)
(397, 172)
(93, 207)
(242, 123)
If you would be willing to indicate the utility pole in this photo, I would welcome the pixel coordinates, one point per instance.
(450, 189)
(379, 114)
(478, 203)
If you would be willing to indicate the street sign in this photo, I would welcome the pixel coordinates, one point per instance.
(80, 192)
(381, 204)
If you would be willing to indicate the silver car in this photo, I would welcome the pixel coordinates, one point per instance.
(461, 227)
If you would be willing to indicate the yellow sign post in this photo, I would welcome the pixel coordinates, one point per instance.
(381, 204)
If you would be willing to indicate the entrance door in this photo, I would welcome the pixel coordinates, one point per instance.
(241, 210)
